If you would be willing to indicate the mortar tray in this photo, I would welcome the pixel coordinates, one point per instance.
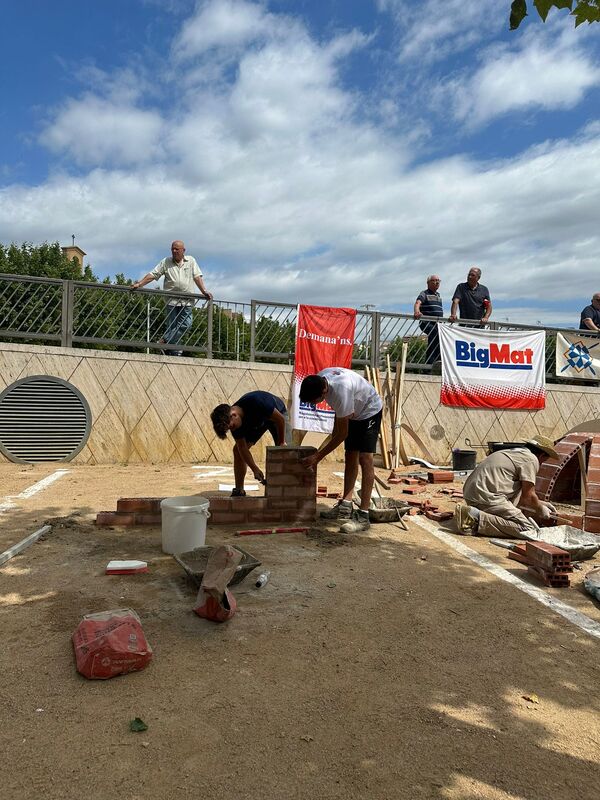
(386, 509)
(194, 563)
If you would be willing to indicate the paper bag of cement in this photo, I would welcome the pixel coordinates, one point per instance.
(110, 643)
(591, 582)
(215, 601)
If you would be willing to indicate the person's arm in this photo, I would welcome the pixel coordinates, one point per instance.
(417, 309)
(531, 502)
(338, 435)
(488, 310)
(246, 455)
(148, 278)
(279, 420)
(454, 310)
(200, 284)
(589, 323)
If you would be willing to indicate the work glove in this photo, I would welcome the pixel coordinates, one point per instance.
(547, 511)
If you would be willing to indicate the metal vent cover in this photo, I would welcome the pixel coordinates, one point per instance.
(43, 418)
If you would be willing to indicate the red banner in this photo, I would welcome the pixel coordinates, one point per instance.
(324, 338)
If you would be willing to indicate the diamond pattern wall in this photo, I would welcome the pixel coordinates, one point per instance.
(156, 409)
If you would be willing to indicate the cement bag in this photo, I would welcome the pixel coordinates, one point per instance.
(591, 583)
(216, 610)
(110, 643)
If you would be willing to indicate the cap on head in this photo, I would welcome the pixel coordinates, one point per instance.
(544, 444)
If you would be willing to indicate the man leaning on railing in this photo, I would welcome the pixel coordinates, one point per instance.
(180, 272)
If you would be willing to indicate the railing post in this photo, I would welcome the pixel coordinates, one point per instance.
(209, 330)
(375, 344)
(252, 330)
(66, 333)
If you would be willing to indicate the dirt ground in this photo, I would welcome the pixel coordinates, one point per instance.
(380, 666)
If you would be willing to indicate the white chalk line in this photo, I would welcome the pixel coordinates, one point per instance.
(206, 473)
(29, 492)
(568, 612)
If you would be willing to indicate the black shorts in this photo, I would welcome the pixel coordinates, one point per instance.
(363, 433)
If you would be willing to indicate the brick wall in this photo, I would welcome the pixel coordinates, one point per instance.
(290, 493)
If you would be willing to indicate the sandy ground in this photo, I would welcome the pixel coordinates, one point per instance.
(380, 666)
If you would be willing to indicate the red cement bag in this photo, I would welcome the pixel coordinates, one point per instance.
(110, 643)
(209, 608)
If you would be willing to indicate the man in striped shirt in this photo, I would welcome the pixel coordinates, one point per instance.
(429, 304)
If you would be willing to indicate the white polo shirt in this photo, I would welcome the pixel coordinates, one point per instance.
(350, 395)
(178, 277)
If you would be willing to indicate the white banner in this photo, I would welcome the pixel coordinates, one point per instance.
(578, 356)
(492, 369)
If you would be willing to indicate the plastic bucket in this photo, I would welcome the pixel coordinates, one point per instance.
(464, 459)
(183, 523)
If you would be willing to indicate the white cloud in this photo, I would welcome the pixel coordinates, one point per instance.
(224, 23)
(284, 190)
(95, 131)
(538, 76)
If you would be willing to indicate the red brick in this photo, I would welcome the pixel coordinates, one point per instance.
(227, 518)
(285, 479)
(280, 504)
(593, 474)
(115, 518)
(275, 467)
(274, 492)
(148, 519)
(413, 490)
(592, 508)
(264, 516)
(591, 524)
(219, 503)
(247, 503)
(409, 481)
(306, 505)
(145, 505)
(299, 491)
(440, 476)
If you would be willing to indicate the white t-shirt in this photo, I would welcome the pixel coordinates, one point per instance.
(178, 277)
(350, 395)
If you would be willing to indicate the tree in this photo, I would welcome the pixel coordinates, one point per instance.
(583, 10)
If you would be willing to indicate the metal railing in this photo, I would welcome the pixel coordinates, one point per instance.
(76, 313)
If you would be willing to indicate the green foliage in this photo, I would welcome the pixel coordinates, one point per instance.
(582, 10)
(276, 337)
(42, 261)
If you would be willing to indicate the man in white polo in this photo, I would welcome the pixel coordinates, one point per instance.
(181, 274)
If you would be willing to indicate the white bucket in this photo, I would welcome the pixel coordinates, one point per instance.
(183, 523)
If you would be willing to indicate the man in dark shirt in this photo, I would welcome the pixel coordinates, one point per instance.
(247, 419)
(429, 304)
(471, 299)
(590, 316)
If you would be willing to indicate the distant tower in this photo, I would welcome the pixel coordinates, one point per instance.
(73, 251)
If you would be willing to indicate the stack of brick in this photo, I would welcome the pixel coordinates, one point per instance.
(591, 520)
(132, 511)
(290, 494)
(550, 564)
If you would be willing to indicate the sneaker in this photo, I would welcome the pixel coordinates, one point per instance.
(238, 492)
(341, 510)
(463, 519)
(359, 522)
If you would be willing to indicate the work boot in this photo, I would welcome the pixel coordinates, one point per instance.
(358, 524)
(341, 510)
(465, 521)
(238, 492)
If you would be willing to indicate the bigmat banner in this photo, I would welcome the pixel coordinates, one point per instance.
(324, 338)
(492, 369)
(577, 356)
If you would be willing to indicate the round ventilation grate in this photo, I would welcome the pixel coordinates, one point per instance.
(43, 419)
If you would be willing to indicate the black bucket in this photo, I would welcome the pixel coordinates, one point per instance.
(463, 460)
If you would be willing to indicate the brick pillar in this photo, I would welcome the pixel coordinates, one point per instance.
(291, 488)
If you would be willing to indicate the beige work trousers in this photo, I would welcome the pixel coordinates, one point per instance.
(502, 519)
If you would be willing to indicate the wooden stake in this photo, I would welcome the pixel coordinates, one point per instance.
(398, 410)
(382, 432)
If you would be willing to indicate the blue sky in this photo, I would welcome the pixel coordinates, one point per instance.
(325, 152)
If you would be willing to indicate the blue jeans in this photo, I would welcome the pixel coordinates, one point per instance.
(179, 319)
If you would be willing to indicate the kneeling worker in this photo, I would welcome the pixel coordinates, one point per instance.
(247, 419)
(358, 410)
(497, 484)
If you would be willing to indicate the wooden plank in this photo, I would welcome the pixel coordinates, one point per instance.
(23, 544)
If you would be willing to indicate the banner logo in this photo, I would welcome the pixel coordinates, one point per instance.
(493, 357)
(575, 357)
(578, 357)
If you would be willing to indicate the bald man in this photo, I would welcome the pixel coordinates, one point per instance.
(180, 272)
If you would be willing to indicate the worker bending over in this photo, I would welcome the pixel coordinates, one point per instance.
(357, 422)
(248, 419)
(498, 484)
